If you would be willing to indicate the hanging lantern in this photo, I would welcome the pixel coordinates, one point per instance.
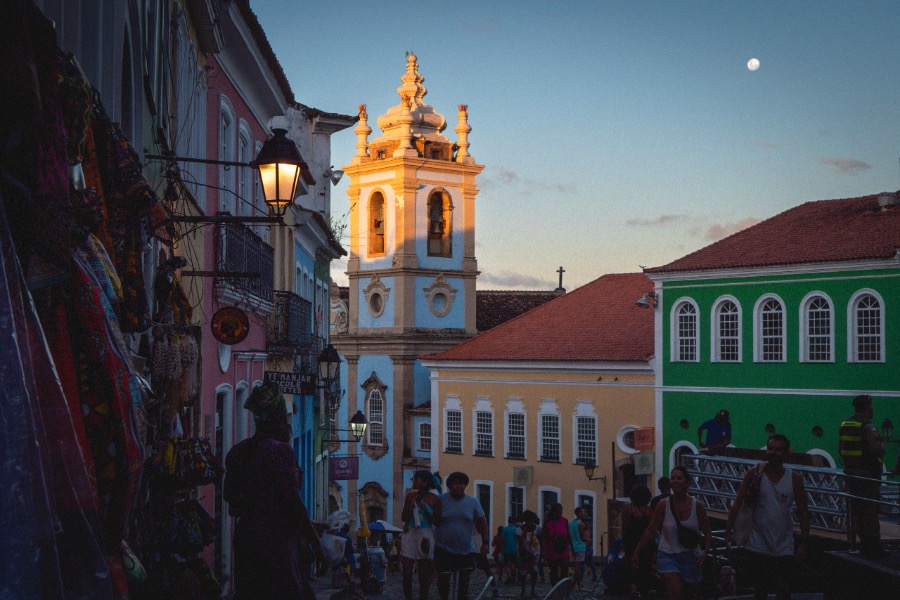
(280, 165)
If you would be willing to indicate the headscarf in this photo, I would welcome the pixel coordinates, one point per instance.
(266, 403)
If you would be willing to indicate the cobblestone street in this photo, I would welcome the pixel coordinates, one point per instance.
(393, 589)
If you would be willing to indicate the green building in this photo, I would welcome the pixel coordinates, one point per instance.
(782, 324)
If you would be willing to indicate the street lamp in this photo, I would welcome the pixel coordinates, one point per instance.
(589, 472)
(887, 430)
(279, 164)
(329, 361)
(358, 425)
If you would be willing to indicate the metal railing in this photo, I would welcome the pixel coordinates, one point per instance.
(290, 324)
(717, 480)
(241, 250)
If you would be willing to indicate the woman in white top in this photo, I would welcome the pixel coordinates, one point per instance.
(678, 566)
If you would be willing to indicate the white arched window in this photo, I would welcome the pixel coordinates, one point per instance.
(375, 415)
(816, 329)
(726, 330)
(769, 330)
(685, 327)
(227, 140)
(865, 327)
(244, 175)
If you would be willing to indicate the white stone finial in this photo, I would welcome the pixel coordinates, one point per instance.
(405, 120)
(362, 131)
(462, 130)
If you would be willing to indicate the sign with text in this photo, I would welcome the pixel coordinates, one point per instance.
(644, 438)
(293, 383)
(644, 463)
(343, 467)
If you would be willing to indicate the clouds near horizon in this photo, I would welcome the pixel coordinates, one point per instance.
(845, 166)
(509, 279)
(719, 231)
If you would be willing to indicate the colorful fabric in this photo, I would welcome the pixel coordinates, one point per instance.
(555, 542)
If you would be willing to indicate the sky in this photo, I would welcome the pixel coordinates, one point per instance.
(616, 135)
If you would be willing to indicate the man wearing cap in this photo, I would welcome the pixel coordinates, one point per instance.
(862, 452)
(718, 433)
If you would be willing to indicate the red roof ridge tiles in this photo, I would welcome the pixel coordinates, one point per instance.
(597, 322)
(819, 231)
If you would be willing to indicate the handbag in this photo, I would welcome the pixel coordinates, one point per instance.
(743, 522)
(743, 525)
(687, 537)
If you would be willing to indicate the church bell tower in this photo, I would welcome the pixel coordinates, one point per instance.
(412, 272)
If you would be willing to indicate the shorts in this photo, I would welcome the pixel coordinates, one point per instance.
(510, 558)
(447, 561)
(682, 563)
(578, 557)
(767, 570)
(418, 544)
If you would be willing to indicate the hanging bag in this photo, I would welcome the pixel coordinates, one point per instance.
(743, 523)
(687, 537)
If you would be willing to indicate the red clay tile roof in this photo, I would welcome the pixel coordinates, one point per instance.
(596, 322)
(814, 232)
(493, 307)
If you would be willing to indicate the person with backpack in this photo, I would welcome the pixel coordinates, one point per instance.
(556, 543)
(773, 490)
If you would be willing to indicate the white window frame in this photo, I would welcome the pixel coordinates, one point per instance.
(514, 406)
(584, 409)
(506, 510)
(453, 406)
(227, 126)
(488, 515)
(853, 327)
(542, 510)
(479, 437)
(716, 330)
(549, 408)
(758, 332)
(421, 436)
(676, 337)
(244, 175)
(805, 335)
(376, 424)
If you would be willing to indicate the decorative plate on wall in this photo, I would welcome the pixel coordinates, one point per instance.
(230, 325)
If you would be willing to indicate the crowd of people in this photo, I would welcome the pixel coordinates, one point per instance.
(665, 538)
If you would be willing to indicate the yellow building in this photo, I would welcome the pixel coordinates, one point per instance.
(522, 407)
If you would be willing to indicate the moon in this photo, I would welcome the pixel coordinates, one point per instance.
(753, 64)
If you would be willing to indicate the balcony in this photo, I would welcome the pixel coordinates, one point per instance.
(290, 324)
(241, 250)
(206, 15)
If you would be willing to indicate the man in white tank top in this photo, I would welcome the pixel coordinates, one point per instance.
(773, 490)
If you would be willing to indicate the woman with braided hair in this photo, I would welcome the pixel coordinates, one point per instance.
(274, 540)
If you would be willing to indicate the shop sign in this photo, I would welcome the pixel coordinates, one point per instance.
(644, 438)
(293, 383)
(343, 467)
(644, 463)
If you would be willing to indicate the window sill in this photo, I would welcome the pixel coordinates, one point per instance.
(513, 457)
(485, 454)
(448, 451)
(550, 460)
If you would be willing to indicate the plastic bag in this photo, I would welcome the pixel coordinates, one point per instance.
(333, 548)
